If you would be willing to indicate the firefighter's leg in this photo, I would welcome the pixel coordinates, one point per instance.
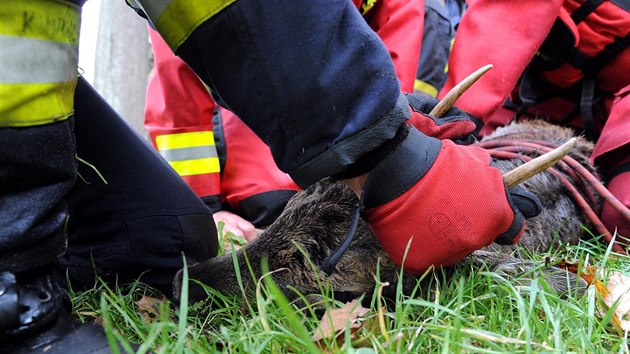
(131, 215)
(178, 117)
(37, 168)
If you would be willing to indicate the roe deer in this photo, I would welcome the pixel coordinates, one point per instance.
(316, 220)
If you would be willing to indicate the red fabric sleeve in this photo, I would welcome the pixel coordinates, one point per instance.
(399, 24)
(613, 144)
(506, 34)
(177, 102)
(176, 99)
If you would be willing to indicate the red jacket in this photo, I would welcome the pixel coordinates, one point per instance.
(509, 34)
(178, 115)
(399, 24)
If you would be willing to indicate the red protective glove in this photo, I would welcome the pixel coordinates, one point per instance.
(445, 199)
(455, 125)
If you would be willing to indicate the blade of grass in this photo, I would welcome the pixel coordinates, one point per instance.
(288, 311)
(183, 309)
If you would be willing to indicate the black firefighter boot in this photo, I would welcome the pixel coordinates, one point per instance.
(35, 318)
(37, 169)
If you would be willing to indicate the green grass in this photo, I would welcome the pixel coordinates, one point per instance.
(476, 311)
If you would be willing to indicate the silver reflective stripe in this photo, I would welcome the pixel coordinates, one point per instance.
(153, 8)
(191, 153)
(26, 60)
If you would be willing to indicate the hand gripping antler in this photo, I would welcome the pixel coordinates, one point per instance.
(524, 171)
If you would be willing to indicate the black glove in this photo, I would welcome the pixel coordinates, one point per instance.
(525, 205)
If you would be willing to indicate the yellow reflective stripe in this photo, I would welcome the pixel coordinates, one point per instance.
(367, 6)
(190, 153)
(23, 105)
(37, 61)
(48, 20)
(425, 87)
(450, 49)
(178, 149)
(184, 140)
(181, 17)
(196, 167)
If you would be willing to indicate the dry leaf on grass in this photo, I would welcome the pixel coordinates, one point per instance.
(617, 289)
(149, 307)
(619, 294)
(616, 292)
(335, 321)
(99, 321)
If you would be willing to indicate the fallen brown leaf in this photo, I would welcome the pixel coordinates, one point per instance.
(99, 321)
(588, 272)
(619, 293)
(148, 307)
(334, 321)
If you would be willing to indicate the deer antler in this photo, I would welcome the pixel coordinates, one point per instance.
(449, 100)
(539, 164)
(524, 171)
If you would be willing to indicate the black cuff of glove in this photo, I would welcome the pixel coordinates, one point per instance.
(368, 161)
(507, 238)
(623, 168)
(263, 208)
(478, 125)
(472, 137)
(525, 205)
(401, 169)
(525, 201)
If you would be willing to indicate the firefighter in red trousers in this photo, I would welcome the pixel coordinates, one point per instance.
(310, 78)
(222, 160)
(563, 60)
